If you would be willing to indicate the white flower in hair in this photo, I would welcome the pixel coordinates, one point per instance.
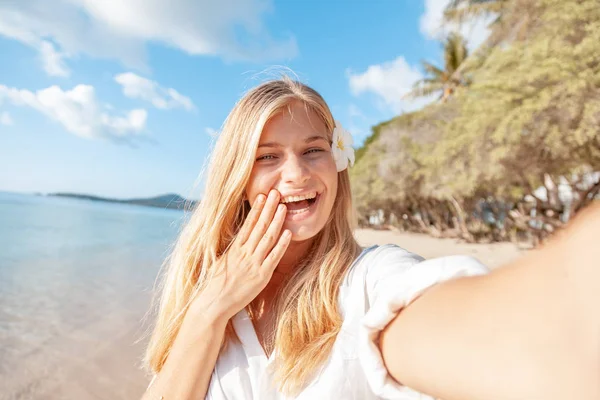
(343, 153)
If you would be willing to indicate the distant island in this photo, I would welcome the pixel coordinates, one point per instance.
(169, 201)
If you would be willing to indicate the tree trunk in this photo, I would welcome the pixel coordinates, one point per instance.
(461, 220)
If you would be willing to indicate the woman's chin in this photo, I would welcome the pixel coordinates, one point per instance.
(301, 233)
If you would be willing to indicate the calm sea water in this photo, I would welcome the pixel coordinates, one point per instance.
(65, 266)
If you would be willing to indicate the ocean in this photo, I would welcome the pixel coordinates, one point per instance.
(76, 278)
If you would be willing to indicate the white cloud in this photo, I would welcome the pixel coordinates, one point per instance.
(390, 81)
(432, 26)
(431, 22)
(118, 29)
(53, 60)
(137, 87)
(5, 119)
(78, 111)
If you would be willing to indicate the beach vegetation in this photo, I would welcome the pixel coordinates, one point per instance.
(516, 155)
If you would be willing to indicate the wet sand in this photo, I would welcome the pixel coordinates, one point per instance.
(100, 359)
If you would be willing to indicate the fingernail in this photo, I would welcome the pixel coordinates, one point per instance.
(286, 234)
(260, 199)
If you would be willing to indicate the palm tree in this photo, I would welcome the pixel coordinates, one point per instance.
(509, 18)
(459, 10)
(446, 80)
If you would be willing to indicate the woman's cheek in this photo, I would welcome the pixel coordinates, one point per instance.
(261, 182)
(325, 162)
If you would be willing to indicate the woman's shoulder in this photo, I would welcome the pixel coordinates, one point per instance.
(379, 252)
(384, 263)
(375, 259)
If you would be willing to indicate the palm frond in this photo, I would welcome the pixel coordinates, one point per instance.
(432, 69)
(461, 10)
(455, 52)
(424, 90)
(431, 81)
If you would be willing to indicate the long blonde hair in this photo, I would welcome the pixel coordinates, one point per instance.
(308, 319)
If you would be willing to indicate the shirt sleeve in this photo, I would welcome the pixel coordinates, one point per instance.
(394, 278)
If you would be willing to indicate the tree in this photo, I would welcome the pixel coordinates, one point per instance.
(526, 132)
(532, 114)
(460, 10)
(443, 80)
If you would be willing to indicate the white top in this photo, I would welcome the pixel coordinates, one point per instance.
(380, 282)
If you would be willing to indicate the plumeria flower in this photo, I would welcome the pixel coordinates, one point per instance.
(342, 147)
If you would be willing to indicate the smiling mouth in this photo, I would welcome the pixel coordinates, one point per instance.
(302, 206)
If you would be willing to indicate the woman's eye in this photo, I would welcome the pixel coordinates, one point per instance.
(272, 156)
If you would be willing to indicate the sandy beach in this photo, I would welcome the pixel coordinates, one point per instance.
(100, 359)
(492, 255)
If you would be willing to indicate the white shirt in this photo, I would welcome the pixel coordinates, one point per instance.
(380, 282)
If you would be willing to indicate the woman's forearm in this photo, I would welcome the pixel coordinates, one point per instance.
(529, 330)
(188, 369)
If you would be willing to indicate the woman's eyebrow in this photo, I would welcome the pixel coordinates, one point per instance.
(307, 140)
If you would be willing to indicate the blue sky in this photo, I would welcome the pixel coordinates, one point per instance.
(121, 98)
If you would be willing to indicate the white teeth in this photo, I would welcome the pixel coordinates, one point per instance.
(307, 196)
(298, 211)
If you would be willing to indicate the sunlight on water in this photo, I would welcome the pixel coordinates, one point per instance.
(72, 272)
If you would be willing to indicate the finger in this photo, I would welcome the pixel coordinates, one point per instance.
(270, 237)
(272, 260)
(251, 219)
(264, 221)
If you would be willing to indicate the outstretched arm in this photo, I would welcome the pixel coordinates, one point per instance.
(528, 330)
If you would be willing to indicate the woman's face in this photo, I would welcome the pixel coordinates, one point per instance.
(294, 157)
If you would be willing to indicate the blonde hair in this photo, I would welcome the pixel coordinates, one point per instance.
(308, 319)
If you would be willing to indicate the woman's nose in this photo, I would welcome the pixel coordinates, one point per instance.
(295, 171)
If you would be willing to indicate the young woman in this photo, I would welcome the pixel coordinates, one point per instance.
(267, 294)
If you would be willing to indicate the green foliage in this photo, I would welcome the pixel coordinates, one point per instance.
(443, 80)
(372, 138)
(531, 113)
(460, 10)
(534, 106)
